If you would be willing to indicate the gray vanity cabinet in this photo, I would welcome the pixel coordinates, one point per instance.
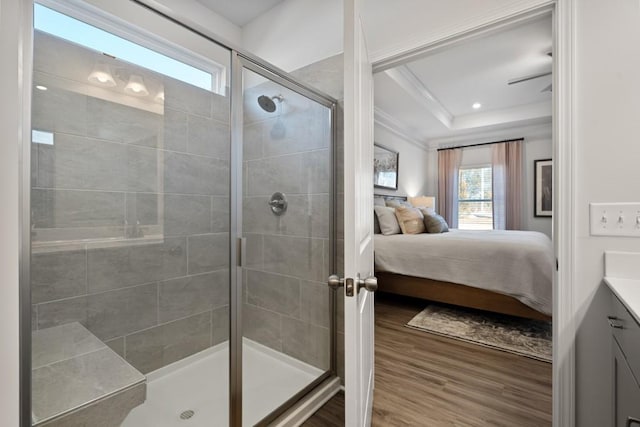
(626, 366)
(626, 392)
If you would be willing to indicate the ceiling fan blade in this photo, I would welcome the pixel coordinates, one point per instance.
(527, 78)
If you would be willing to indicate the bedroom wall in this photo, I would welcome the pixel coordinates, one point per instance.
(538, 145)
(413, 169)
(606, 153)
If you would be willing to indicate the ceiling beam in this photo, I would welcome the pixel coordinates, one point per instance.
(416, 89)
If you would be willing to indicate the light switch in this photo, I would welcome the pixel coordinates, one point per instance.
(615, 219)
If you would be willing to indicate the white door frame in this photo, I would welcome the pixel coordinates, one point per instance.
(564, 158)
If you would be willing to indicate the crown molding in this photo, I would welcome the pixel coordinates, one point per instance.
(541, 129)
(390, 123)
(414, 87)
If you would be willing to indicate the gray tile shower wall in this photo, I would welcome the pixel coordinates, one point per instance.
(130, 209)
(286, 296)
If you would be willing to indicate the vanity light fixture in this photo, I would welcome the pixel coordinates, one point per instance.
(101, 75)
(160, 96)
(136, 86)
(476, 105)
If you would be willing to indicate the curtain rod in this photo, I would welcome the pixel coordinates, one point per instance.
(482, 143)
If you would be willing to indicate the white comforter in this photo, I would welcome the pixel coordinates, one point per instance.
(516, 263)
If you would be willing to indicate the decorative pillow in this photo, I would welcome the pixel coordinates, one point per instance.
(435, 224)
(426, 211)
(379, 201)
(411, 220)
(387, 220)
(376, 223)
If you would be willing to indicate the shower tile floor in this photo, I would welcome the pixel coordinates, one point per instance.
(200, 383)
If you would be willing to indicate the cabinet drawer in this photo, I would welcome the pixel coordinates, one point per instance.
(627, 334)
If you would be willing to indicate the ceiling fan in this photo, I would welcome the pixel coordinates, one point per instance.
(532, 77)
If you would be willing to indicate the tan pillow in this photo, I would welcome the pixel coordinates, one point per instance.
(411, 220)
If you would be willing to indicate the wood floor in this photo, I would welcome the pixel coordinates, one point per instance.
(427, 380)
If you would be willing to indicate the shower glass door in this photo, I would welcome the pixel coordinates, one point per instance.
(143, 179)
(287, 214)
(130, 214)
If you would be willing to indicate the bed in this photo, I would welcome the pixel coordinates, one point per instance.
(502, 271)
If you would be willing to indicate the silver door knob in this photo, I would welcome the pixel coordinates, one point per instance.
(335, 282)
(370, 284)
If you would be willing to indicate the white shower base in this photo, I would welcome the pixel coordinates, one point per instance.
(200, 383)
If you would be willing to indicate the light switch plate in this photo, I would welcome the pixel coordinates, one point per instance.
(614, 219)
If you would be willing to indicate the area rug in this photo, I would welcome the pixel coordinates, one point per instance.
(530, 338)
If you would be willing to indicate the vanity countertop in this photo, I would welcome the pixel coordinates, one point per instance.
(622, 275)
(628, 292)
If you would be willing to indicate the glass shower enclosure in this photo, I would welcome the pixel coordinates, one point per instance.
(181, 217)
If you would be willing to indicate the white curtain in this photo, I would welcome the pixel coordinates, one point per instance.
(507, 185)
(448, 168)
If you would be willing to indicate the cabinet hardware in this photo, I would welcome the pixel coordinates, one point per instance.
(614, 322)
(631, 421)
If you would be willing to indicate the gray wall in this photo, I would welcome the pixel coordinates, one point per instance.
(413, 166)
(287, 299)
(155, 292)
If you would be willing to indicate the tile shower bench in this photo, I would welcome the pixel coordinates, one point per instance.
(77, 380)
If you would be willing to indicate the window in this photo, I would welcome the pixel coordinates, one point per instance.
(475, 198)
(73, 30)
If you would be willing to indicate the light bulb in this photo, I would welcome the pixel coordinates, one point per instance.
(160, 96)
(101, 75)
(136, 86)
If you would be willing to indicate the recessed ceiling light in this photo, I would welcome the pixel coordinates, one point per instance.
(40, 87)
(476, 105)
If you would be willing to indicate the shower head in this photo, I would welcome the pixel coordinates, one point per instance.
(267, 104)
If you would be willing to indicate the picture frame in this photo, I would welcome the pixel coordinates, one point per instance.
(543, 188)
(385, 167)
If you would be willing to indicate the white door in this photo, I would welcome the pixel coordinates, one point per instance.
(358, 220)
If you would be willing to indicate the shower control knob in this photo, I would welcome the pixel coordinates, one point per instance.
(278, 203)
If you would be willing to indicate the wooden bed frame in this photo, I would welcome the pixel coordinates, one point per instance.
(456, 294)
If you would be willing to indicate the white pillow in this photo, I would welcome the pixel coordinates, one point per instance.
(387, 220)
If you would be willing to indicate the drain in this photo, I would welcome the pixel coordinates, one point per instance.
(185, 415)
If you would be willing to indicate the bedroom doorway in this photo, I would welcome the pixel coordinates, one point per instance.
(454, 102)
